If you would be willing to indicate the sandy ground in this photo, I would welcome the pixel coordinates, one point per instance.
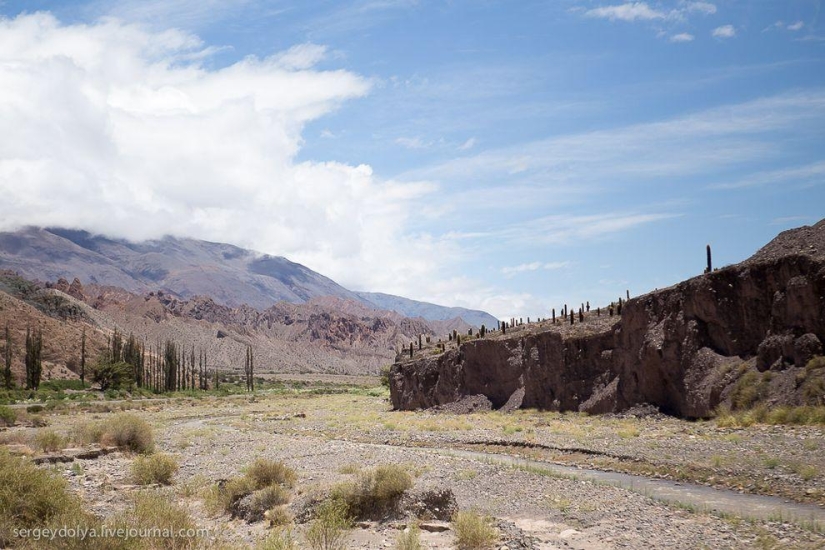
(323, 436)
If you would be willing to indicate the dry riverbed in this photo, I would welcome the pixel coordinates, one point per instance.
(328, 438)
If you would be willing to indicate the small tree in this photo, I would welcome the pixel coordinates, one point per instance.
(7, 380)
(249, 369)
(83, 358)
(113, 375)
(34, 363)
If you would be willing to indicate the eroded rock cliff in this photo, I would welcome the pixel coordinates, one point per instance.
(685, 349)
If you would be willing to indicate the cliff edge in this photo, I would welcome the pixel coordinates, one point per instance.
(742, 334)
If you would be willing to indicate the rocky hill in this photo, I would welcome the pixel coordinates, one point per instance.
(230, 275)
(320, 336)
(738, 336)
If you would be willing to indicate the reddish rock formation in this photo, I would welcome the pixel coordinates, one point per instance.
(674, 348)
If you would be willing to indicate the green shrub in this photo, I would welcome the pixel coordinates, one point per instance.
(328, 530)
(375, 492)
(156, 468)
(385, 376)
(7, 416)
(264, 473)
(749, 389)
(473, 531)
(49, 440)
(113, 376)
(30, 497)
(270, 497)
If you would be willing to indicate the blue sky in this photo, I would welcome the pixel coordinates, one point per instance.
(508, 156)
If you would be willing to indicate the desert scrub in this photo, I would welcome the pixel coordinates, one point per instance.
(123, 430)
(264, 473)
(801, 416)
(278, 516)
(409, 538)
(473, 531)
(7, 416)
(279, 540)
(49, 440)
(230, 492)
(157, 468)
(32, 497)
(749, 389)
(374, 492)
(270, 497)
(151, 509)
(330, 527)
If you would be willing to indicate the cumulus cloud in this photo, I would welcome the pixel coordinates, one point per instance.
(705, 8)
(642, 11)
(682, 37)
(725, 31)
(631, 11)
(796, 26)
(119, 130)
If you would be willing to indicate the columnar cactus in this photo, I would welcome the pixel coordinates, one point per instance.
(554, 315)
(709, 268)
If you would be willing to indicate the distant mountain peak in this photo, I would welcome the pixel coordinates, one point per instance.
(187, 267)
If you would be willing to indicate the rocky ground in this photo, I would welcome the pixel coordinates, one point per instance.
(327, 437)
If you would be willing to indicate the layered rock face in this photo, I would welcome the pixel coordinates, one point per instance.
(682, 349)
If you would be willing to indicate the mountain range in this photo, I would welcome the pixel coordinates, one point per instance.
(229, 275)
(215, 297)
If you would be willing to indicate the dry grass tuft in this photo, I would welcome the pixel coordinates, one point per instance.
(474, 531)
(328, 530)
(123, 430)
(157, 468)
(265, 473)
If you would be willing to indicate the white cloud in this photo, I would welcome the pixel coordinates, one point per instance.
(705, 8)
(705, 142)
(682, 37)
(467, 145)
(413, 143)
(796, 26)
(115, 134)
(725, 31)
(630, 11)
(805, 175)
(564, 229)
(509, 271)
(642, 11)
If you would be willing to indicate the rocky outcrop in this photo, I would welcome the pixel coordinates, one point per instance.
(675, 348)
